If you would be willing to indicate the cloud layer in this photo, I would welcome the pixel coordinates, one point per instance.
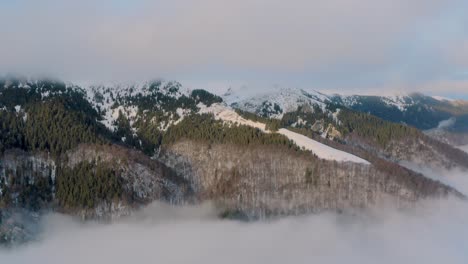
(434, 232)
(353, 44)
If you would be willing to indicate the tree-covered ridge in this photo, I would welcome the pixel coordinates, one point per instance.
(418, 110)
(206, 128)
(11, 131)
(346, 121)
(205, 97)
(154, 96)
(313, 120)
(50, 125)
(36, 184)
(373, 128)
(16, 92)
(88, 184)
(53, 116)
(267, 109)
(307, 115)
(83, 186)
(46, 115)
(271, 124)
(414, 114)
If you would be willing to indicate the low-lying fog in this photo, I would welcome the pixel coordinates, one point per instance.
(464, 148)
(455, 178)
(434, 231)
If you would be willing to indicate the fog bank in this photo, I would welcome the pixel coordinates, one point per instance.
(434, 232)
(456, 178)
(464, 148)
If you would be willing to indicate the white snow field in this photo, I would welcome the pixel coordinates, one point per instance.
(321, 150)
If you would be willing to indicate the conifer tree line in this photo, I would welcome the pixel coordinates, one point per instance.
(49, 126)
(271, 124)
(82, 186)
(348, 121)
(61, 123)
(65, 120)
(374, 128)
(25, 187)
(87, 184)
(205, 128)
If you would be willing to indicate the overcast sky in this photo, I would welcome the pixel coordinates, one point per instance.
(371, 46)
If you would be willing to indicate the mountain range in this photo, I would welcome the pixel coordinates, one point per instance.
(103, 151)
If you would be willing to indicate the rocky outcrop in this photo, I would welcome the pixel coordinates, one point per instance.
(262, 181)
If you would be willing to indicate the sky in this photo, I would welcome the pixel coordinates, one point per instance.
(348, 46)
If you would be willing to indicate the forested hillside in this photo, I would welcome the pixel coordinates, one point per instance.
(338, 126)
(417, 110)
(101, 151)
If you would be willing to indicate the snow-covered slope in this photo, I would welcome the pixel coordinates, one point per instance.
(321, 150)
(105, 96)
(399, 101)
(224, 113)
(278, 102)
(415, 109)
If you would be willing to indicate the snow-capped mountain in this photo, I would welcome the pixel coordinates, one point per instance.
(113, 99)
(101, 150)
(441, 118)
(274, 104)
(418, 110)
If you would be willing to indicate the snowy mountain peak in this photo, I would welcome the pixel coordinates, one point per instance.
(276, 103)
(169, 88)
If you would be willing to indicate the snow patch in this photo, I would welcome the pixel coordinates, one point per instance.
(398, 101)
(299, 122)
(321, 150)
(182, 113)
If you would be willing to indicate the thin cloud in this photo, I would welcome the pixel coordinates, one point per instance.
(433, 232)
(332, 44)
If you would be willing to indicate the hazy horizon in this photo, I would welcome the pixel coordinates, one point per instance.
(238, 88)
(357, 46)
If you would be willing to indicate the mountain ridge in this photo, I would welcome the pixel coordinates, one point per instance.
(159, 141)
